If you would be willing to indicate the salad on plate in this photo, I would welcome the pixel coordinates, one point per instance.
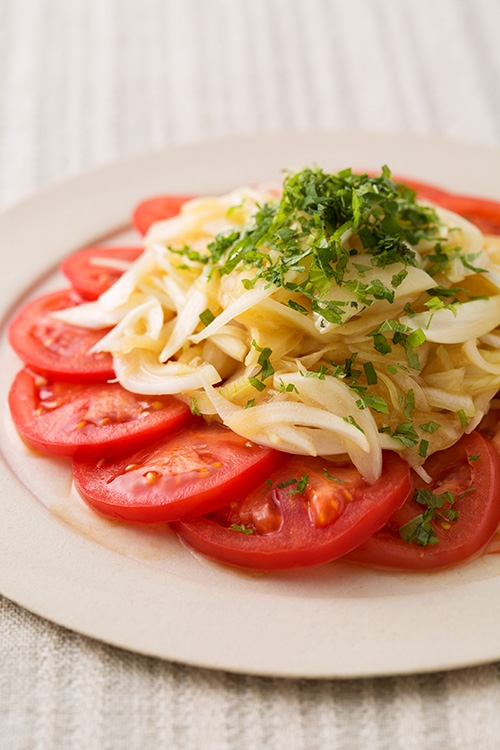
(286, 374)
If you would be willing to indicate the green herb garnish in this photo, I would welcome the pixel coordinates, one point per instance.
(420, 529)
(241, 528)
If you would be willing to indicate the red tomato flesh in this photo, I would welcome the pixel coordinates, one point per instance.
(94, 269)
(282, 525)
(192, 472)
(97, 419)
(56, 349)
(157, 209)
(471, 471)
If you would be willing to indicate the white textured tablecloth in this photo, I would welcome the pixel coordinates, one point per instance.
(85, 82)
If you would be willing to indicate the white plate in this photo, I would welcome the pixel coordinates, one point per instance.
(139, 588)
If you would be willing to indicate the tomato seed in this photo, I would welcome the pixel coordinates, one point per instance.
(156, 405)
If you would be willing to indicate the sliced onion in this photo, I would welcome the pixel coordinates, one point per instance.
(87, 315)
(121, 290)
(186, 322)
(468, 320)
(145, 320)
(141, 372)
(245, 302)
(475, 356)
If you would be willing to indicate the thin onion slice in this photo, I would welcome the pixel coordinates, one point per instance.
(468, 320)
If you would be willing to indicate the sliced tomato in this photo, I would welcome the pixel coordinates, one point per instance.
(56, 349)
(309, 513)
(67, 419)
(423, 189)
(470, 471)
(156, 209)
(94, 269)
(191, 472)
(482, 212)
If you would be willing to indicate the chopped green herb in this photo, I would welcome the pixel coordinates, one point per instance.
(420, 529)
(370, 374)
(267, 485)
(305, 232)
(194, 407)
(241, 528)
(332, 478)
(368, 400)
(257, 384)
(405, 433)
(286, 483)
(298, 308)
(301, 486)
(299, 489)
(430, 427)
(351, 420)
(320, 373)
(409, 404)
(288, 388)
(416, 338)
(207, 317)
(423, 448)
(361, 269)
(398, 278)
(266, 368)
(463, 418)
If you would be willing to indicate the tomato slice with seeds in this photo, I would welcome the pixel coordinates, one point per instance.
(157, 208)
(192, 472)
(470, 471)
(70, 419)
(310, 513)
(94, 269)
(55, 349)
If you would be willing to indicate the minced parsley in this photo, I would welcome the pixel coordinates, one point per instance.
(299, 244)
(420, 529)
(304, 232)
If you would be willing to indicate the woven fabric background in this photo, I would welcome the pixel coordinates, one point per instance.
(86, 82)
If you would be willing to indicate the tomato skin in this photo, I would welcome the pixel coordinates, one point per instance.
(482, 212)
(479, 511)
(90, 280)
(298, 541)
(157, 208)
(192, 472)
(56, 349)
(96, 419)
(423, 189)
